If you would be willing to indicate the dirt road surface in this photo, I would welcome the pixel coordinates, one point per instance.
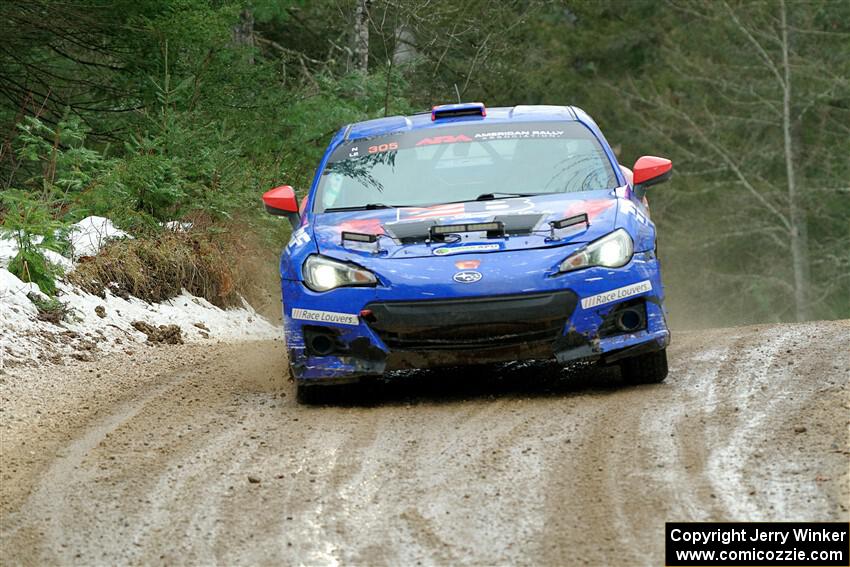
(189, 455)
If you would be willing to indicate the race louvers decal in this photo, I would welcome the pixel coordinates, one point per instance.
(616, 294)
(325, 316)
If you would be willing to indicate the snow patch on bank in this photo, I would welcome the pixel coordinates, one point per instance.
(94, 324)
(86, 237)
(91, 234)
(9, 249)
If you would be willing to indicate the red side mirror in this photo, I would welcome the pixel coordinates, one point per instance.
(281, 201)
(651, 170)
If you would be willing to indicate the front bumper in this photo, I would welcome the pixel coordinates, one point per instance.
(569, 317)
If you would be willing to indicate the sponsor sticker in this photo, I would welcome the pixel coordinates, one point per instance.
(631, 209)
(513, 134)
(325, 316)
(420, 213)
(593, 208)
(470, 209)
(381, 148)
(443, 140)
(445, 250)
(299, 238)
(616, 294)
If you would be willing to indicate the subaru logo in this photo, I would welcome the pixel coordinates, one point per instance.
(468, 276)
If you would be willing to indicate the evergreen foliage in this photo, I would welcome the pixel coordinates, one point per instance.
(154, 111)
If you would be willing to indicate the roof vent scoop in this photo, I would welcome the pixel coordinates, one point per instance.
(442, 111)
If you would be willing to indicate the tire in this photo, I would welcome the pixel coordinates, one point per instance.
(649, 368)
(307, 394)
(328, 394)
(313, 395)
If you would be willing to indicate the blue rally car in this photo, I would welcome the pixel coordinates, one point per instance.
(472, 235)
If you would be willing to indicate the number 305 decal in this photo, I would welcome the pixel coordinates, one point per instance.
(383, 148)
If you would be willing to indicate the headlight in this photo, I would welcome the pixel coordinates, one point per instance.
(323, 274)
(611, 251)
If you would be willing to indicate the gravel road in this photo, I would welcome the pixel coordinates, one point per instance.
(200, 455)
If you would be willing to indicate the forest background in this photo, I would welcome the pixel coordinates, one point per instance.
(152, 111)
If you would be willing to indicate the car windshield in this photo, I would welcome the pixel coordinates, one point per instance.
(463, 163)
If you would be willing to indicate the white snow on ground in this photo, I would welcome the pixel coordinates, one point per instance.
(177, 226)
(24, 339)
(9, 249)
(87, 237)
(90, 235)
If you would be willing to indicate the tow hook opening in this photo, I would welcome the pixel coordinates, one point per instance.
(627, 317)
(320, 341)
(630, 319)
(321, 345)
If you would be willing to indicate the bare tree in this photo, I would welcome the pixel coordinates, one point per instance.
(243, 32)
(742, 90)
(361, 35)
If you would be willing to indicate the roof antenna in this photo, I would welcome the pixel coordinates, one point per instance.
(457, 92)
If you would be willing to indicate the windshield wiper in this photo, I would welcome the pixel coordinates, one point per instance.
(366, 207)
(482, 197)
(491, 196)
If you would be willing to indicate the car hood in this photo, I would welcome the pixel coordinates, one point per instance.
(534, 212)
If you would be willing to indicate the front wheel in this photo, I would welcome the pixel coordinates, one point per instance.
(649, 368)
(311, 395)
(329, 394)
